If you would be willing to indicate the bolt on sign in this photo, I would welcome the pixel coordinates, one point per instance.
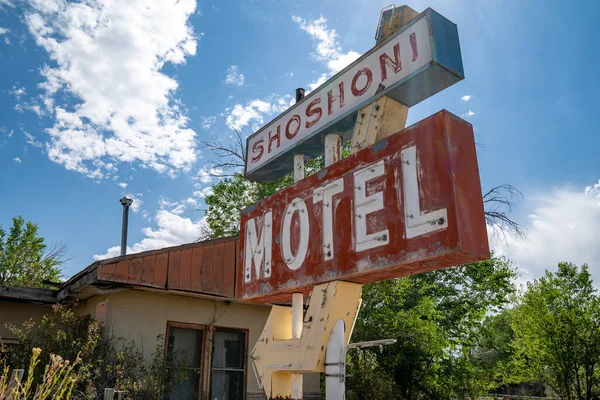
(410, 203)
(416, 62)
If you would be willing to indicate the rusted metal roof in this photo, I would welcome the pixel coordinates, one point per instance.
(206, 268)
(203, 267)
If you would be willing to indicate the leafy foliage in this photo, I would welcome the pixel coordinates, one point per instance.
(367, 380)
(25, 259)
(556, 325)
(231, 195)
(435, 318)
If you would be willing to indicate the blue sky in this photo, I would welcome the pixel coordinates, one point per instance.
(99, 100)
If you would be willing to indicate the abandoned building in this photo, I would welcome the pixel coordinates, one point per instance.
(186, 293)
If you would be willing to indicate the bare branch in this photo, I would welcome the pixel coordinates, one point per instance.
(230, 152)
(205, 233)
(58, 252)
(499, 204)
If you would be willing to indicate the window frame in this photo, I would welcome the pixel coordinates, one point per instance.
(192, 326)
(246, 333)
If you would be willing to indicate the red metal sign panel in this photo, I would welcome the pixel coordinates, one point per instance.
(410, 203)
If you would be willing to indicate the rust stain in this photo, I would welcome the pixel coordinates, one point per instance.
(217, 271)
(122, 271)
(208, 258)
(106, 272)
(185, 265)
(196, 270)
(148, 269)
(135, 271)
(174, 267)
(161, 267)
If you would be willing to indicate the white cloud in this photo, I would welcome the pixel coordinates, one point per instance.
(109, 56)
(207, 122)
(206, 175)
(172, 229)
(234, 76)
(4, 31)
(16, 91)
(465, 98)
(325, 39)
(468, 114)
(190, 202)
(256, 110)
(31, 140)
(563, 225)
(17, 160)
(122, 184)
(207, 191)
(327, 47)
(6, 3)
(320, 80)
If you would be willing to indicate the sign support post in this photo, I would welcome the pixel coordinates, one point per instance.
(297, 298)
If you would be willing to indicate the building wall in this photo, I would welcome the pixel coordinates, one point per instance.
(17, 313)
(141, 316)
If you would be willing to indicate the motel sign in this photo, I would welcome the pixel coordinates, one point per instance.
(411, 203)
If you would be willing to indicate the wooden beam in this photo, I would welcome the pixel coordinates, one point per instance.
(75, 286)
(376, 121)
(385, 116)
(30, 295)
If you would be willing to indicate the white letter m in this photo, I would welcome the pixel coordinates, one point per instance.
(257, 250)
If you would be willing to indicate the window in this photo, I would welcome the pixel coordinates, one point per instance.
(223, 376)
(184, 354)
(228, 375)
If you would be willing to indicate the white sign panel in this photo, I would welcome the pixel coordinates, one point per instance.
(394, 61)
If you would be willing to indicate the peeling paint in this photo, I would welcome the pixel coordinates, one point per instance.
(322, 174)
(379, 146)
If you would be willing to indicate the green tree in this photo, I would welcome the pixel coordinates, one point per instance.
(556, 324)
(25, 258)
(231, 195)
(494, 350)
(435, 318)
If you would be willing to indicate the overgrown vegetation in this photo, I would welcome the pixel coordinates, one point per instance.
(57, 380)
(464, 332)
(94, 362)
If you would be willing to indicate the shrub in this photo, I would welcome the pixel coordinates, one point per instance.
(99, 363)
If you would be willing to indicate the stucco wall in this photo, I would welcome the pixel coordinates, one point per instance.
(142, 316)
(17, 313)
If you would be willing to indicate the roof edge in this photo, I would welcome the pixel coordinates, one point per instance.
(28, 295)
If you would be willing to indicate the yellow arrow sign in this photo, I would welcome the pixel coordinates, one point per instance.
(275, 356)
